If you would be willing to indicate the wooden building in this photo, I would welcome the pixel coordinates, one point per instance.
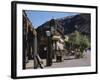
(28, 38)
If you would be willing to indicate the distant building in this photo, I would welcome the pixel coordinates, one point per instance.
(57, 38)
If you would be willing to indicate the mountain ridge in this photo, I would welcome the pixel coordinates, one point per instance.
(80, 22)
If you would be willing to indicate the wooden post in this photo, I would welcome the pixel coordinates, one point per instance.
(49, 53)
(24, 51)
(35, 49)
(37, 59)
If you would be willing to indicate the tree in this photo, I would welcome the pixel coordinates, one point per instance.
(84, 43)
(75, 39)
(79, 41)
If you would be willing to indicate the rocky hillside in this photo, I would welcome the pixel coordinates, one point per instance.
(69, 24)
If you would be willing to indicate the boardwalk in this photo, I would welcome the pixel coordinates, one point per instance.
(86, 61)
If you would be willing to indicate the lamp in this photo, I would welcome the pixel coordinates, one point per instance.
(48, 33)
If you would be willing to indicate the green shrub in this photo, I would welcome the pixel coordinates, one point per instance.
(79, 41)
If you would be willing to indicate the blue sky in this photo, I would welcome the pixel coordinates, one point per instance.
(39, 17)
